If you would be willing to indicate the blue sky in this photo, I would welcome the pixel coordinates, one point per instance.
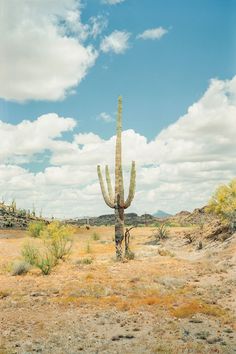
(159, 79)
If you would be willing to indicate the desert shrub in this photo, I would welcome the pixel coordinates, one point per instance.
(35, 228)
(95, 236)
(223, 201)
(58, 239)
(41, 258)
(57, 242)
(45, 262)
(161, 232)
(20, 267)
(30, 253)
(85, 261)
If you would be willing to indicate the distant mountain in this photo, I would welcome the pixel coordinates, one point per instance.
(109, 219)
(161, 214)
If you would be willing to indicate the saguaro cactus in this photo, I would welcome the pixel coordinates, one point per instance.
(116, 199)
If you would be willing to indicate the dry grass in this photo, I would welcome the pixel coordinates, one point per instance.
(195, 306)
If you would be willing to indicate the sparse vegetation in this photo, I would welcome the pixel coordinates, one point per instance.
(147, 290)
(161, 232)
(45, 261)
(20, 267)
(58, 239)
(85, 261)
(56, 243)
(35, 228)
(223, 202)
(30, 252)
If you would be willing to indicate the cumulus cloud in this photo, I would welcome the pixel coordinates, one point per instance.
(117, 42)
(154, 33)
(28, 138)
(42, 51)
(177, 170)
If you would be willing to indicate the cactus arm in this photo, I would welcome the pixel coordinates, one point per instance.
(119, 186)
(107, 200)
(131, 186)
(109, 185)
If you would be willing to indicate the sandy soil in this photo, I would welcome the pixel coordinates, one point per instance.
(170, 299)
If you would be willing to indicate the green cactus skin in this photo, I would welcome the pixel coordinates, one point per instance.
(116, 199)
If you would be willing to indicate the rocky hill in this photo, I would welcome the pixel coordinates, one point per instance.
(10, 217)
(183, 218)
(109, 219)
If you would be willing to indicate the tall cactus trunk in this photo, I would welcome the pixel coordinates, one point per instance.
(119, 232)
(116, 200)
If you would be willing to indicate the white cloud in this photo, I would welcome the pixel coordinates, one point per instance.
(105, 117)
(116, 42)
(42, 52)
(154, 33)
(177, 170)
(28, 138)
(112, 2)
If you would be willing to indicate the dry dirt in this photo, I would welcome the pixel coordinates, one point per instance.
(170, 299)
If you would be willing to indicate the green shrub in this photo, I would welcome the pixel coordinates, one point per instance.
(58, 239)
(56, 245)
(20, 267)
(30, 253)
(45, 262)
(35, 228)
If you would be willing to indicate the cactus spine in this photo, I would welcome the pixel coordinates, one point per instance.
(116, 199)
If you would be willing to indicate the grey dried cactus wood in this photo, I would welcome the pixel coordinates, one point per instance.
(116, 199)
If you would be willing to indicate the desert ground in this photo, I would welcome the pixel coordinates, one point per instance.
(172, 298)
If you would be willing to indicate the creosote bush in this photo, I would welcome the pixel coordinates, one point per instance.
(35, 228)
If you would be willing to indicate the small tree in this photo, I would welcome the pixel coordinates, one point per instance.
(223, 202)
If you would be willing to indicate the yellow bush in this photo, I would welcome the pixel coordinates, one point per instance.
(223, 202)
(35, 228)
(58, 238)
